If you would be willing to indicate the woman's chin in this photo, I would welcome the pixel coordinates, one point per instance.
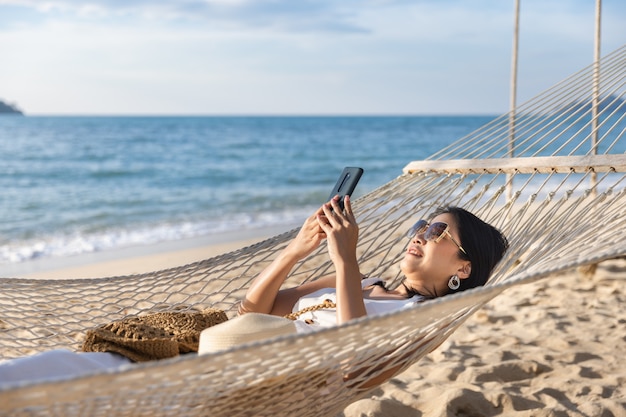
(405, 265)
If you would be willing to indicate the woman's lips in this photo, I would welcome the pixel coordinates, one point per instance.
(412, 250)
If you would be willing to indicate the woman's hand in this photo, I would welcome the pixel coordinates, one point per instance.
(341, 230)
(308, 238)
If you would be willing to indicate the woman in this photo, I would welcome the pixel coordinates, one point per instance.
(451, 252)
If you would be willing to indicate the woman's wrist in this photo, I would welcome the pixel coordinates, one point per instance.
(292, 253)
(346, 263)
(348, 271)
(350, 303)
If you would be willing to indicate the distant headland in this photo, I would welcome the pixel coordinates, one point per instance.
(9, 109)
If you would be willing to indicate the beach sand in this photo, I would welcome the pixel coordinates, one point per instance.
(551, 348)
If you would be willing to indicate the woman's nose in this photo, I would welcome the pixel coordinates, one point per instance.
(419, 237)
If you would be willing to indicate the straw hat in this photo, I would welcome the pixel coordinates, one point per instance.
(249, 327)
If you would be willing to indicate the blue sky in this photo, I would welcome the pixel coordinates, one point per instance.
(157, 57)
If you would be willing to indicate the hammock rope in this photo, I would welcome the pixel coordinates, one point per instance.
(567, 194)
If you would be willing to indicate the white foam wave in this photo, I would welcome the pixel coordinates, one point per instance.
(65, 245)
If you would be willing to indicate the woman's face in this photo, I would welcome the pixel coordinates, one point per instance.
(428, 265)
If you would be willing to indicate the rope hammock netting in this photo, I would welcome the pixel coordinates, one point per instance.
(550, 175)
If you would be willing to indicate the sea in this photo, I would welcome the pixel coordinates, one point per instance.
(78, 185)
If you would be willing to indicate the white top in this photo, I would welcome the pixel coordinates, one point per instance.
(313, 320)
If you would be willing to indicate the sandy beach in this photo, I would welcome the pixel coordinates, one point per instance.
(551, 348)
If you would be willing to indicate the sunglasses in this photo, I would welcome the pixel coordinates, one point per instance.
(433, 232)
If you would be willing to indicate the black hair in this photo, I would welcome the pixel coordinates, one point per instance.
(485, 246)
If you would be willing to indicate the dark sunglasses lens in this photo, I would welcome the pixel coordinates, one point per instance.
(435, 231)
(417, 228)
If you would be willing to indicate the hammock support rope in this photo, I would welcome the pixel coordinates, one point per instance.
(565, 193)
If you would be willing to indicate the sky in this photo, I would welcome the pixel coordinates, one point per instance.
(291, 57)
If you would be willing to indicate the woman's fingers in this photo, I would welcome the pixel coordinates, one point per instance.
(334, 218)
(348, 208)
(326, 216)
(337, 210)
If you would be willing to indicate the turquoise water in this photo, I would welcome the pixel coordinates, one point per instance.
(74, 185)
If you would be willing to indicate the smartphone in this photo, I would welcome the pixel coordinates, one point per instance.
(346, 183)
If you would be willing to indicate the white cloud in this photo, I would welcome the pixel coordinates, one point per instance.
(286, 56)
(285, 15)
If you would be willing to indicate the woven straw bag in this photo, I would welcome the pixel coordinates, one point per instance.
(153, 336)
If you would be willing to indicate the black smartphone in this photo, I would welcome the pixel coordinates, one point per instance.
(346, 183)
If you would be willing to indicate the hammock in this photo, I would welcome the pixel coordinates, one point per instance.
(550, 175)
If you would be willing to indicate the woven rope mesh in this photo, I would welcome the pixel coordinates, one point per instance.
(565, 208)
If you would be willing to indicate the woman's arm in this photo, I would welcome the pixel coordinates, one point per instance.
(262, 296)
(287, 298)
(342, 233)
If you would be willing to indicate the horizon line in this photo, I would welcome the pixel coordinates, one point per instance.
(269, 115)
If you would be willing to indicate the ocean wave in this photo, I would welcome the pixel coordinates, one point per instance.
(65, 245)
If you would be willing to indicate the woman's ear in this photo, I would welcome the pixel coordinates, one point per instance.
(465, 270)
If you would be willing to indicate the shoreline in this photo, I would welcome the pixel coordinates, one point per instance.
(140, 259)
